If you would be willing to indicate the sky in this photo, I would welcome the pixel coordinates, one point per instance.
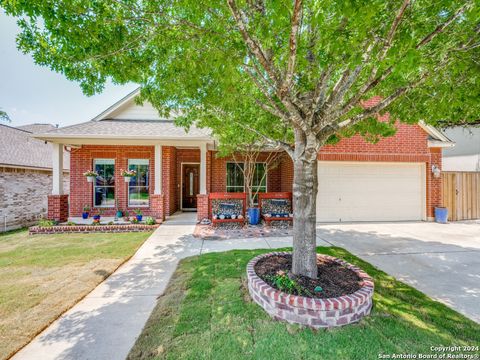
(30, 93)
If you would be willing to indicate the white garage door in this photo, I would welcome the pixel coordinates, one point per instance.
(357, 191)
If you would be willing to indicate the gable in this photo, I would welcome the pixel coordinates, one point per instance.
(132, 111)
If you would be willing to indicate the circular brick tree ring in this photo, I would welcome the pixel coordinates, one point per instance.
(312, 312)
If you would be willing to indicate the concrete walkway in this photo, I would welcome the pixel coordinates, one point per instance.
(106, 323)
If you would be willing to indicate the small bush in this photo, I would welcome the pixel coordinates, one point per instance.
(150, 221)
(71, 223)
(46, 223)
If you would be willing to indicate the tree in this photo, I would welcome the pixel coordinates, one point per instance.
(246, 157)
(294, 73)
(4, 116)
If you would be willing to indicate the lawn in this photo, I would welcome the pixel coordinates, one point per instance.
(41, 276)
(206, 313)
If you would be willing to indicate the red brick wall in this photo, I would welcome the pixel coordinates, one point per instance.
(81, 160)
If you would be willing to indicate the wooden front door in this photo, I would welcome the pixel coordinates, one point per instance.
(190, 185)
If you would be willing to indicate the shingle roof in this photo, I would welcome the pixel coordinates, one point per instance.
(165, 129)
(19, 148)
(37, 128)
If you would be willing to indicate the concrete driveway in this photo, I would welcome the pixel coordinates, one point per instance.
(441, 260)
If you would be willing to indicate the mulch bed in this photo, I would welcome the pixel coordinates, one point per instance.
(334, 279)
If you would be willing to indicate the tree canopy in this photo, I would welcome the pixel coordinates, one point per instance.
(254, 63)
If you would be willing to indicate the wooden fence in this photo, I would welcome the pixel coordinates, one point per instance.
(461, 195)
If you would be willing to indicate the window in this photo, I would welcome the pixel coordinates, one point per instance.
(104, 186)
(138, 194)
(236, 181)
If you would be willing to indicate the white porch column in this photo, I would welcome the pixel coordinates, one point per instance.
(57, 169)
(203, 168)
(158, 170)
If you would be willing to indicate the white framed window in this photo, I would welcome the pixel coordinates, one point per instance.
(236, 180)
(104, 185)
(138, 187)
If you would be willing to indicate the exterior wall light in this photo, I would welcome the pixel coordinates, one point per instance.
(436, 171)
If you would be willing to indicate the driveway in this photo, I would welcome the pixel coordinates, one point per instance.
(441, 260)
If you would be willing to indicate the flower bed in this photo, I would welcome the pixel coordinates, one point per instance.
(312, 311)
(91, 228)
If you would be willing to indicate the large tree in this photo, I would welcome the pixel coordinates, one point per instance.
(295, 73)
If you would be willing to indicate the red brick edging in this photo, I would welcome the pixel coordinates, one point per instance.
(91, 228)
(315, 313)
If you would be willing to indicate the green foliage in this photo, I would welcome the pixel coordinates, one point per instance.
(4, 116)
(138, 212)
(284, 283)
(189, 56)
(70, 223)
(150, 221)
(46, 223)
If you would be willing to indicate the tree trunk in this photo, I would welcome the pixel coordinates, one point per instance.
(305, 188)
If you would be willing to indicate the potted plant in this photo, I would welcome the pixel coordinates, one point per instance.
(126, 217)
(90, 175)
(86, 212)
(98, 216)
(119, 212)
(138, 214)
(128, 174)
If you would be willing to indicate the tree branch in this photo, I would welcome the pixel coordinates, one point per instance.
(440, 28)
(297, 13)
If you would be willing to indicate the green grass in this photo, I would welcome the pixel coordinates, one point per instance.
(206, 313)
(41, 276)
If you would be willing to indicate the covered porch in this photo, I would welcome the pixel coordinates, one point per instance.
(169, 177)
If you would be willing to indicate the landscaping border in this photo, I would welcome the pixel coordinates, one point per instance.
(91, 228)
(312, 312)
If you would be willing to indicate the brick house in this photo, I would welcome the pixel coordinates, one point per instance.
(177, 169)
(25, 175)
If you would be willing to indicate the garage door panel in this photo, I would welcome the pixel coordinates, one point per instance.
(370, 192)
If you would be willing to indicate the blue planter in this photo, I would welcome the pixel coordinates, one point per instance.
(253, 215)
(119, 214)
(85, 215)
(96, 217)
(139, 217)
(441, 215)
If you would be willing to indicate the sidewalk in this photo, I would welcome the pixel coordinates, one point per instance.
(106, 323)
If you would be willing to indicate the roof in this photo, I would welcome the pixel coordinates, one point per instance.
(37, 128)
(19, 149)
(128, 122)
(128, 129)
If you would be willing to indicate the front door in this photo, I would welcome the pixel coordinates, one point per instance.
(190, 185)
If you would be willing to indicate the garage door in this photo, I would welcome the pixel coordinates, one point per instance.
(370, 191)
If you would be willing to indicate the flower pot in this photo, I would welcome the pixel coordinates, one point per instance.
(91, 178)
(127, 178)
(119, 214)
(139, 217)
(84, 215)
(441, 215)
(253, 216)
(96, 217)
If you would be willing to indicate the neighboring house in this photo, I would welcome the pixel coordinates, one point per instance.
(465, 156)
(25, 175)
(388, 181)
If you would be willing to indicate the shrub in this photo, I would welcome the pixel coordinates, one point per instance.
(150, 221)
(46, 223)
